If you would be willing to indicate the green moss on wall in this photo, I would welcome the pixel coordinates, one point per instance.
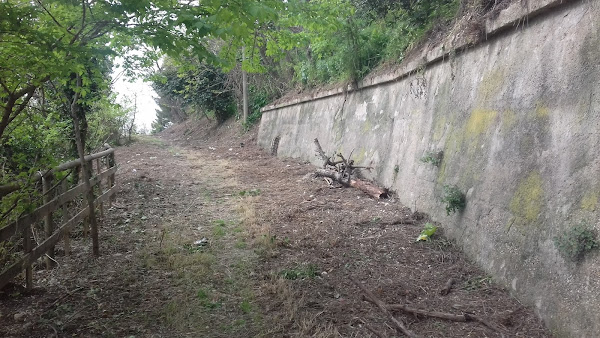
(479, 122)
(527, 201)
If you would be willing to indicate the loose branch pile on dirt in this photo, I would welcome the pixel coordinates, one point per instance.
(389, 308)
(343, 172)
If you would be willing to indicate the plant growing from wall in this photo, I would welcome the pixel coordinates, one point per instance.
(454, 198)
(574, 243)
(433, 157)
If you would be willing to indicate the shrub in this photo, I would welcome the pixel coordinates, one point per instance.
(454, 199)
(574, 243)
(435, 158)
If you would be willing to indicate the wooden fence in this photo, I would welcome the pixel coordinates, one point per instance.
(56, 195)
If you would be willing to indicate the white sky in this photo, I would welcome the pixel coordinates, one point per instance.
(146, 112)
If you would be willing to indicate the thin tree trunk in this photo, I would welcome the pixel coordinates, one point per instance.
(75, 107)
(244, 89)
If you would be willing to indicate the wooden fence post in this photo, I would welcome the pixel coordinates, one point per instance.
(111, 179)
(66, 217)
(93, 221)
(86, 224)
(48, 221)
(101, 204)
(68, 200)
(27, 247)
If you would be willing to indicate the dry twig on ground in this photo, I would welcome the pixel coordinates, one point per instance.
(383, 307)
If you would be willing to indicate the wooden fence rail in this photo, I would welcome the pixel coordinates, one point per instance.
(22, 227)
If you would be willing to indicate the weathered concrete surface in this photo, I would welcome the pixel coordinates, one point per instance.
(518, 119)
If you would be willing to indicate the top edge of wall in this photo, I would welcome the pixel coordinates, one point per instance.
(514, 16)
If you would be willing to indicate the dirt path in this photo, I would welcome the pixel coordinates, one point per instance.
(215, 239)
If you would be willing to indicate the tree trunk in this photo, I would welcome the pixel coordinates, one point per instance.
(75, 111)
(244, 89)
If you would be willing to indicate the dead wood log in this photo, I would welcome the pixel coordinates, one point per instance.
(466, 317)
(369, 188)
(434, 314)
(397, 221)
(364, 186)
(383, 307)
(343, 165)
(321, 154)
(334, 175)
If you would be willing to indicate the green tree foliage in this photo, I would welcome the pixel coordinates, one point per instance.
(301, 44)
(372, 32)
(188, 88)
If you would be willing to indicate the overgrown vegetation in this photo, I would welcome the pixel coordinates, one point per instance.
(309, 44)
(454, 199)
(574, 243)
(190, 87)
(433, 157)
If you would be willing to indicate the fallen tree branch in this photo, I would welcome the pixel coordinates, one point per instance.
(484, 322)
(365, 186)
(343, 172)
(334, 175)
(383, 307)
(321, 153)
(433, 314)
(466, 317)
(397, 221)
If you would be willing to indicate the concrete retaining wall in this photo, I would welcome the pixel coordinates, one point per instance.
(518, 119)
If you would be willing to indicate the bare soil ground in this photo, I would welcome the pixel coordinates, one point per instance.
(209, 238)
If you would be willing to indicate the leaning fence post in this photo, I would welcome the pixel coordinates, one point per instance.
(48, 221)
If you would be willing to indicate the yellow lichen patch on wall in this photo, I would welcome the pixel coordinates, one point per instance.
(542, 111)
(527, 201)
(589, 201)
(490, 86)
(479, 121)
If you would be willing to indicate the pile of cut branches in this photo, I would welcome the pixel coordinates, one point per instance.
(343, 171)
(400, 326)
